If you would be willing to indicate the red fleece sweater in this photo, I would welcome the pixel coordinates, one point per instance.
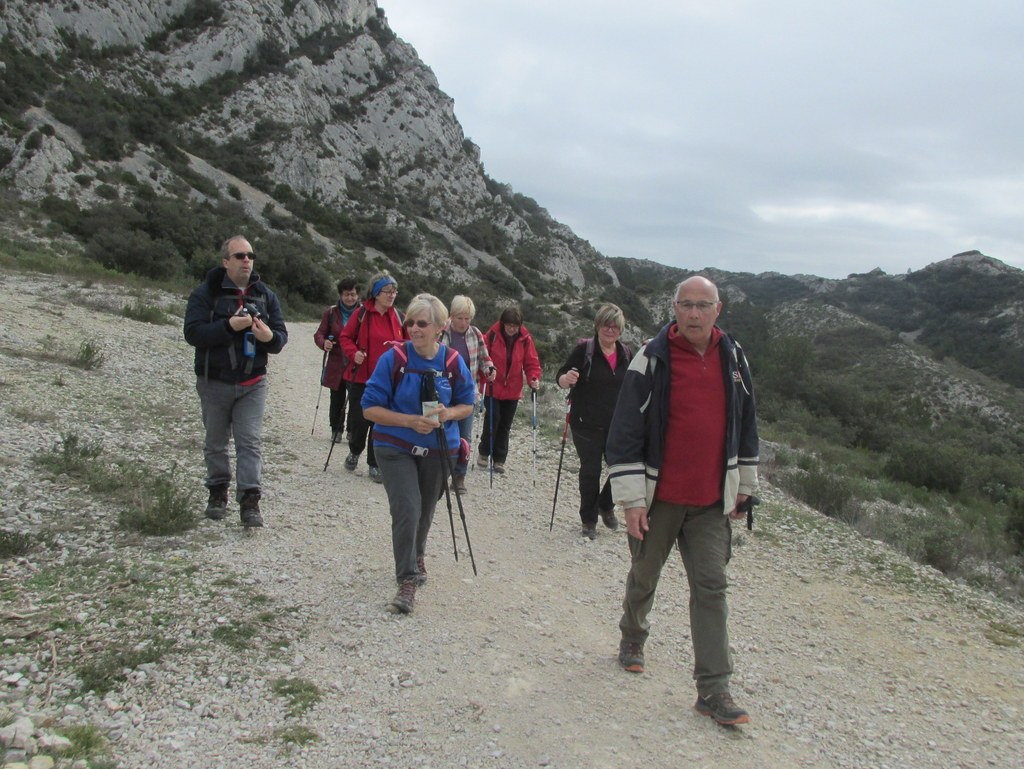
(694, 466)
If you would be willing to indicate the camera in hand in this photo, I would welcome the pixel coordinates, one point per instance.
(248, 308)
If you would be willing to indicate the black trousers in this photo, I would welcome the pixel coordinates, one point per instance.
(337, 412)
(594, 499)
(359, 426)
(504, 413)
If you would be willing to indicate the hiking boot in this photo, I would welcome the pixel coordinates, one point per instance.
(336, 436)
(421, 564)
(459, 484)
(374, 473)
(631, 656)
(499, 467)
(610, 521)
(249, 509)
(351, 461)
(217, 507)
(482, 461)
(404, 599)
(721, 707)
(589, 530)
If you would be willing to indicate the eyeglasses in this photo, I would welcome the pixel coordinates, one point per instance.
(240, 255)
(418, 323)
(389, 291)
(703, 307)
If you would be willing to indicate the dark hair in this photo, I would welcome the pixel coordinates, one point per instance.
(348, 284)
(512, 315)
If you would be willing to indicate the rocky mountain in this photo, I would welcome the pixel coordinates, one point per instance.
(311, 117)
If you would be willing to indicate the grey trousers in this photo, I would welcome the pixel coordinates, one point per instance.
(232, 410)
(413, 485)
(704, 536)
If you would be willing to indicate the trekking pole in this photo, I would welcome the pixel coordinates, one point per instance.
(533, 396)
(490, 422)
(323, 371)
(446, 470)
(561, 454)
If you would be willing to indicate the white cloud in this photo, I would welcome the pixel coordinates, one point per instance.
(768, 137)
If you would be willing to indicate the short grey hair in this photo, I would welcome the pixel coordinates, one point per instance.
(463, 305)
(430, 304)
(225, 247)
(609, 315)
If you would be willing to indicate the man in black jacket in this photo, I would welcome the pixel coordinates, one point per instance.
(234, 321)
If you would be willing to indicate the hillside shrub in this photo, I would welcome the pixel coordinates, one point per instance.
(829, 493)
(934, 466)
(135, 252)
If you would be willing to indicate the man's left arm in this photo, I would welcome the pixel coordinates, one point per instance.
(749, 444)
(275, 324)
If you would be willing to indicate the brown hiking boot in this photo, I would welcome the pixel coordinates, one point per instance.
(421, 564)
(609, 519)
(217, 506)
(721, 707)
(459, 484)
(631, 656)
(249, 509)
(404, 599)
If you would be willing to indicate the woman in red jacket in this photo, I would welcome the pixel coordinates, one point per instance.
(364, 339)
(514, 357)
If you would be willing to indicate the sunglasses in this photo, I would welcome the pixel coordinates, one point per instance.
(417, 323)
(240, 255)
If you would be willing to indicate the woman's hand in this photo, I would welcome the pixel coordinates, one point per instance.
(569, 378)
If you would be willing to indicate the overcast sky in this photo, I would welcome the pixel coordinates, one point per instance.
(797, 136)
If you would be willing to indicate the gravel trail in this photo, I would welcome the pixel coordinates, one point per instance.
(847, 655)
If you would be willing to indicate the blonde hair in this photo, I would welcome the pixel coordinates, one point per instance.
(430, 304)
(609, 315)
(463, 305)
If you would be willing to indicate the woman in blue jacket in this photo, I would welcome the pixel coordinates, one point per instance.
(417, 389)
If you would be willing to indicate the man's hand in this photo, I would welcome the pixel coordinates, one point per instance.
(240, 322)
(735, 514)
(261, 331)
(636, 522)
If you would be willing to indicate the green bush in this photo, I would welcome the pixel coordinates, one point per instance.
(937, 467)
(135, 252)
(146, 313)
(159, 507)
(829, 493)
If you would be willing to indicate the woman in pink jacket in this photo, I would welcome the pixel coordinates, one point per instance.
(515, 358)
(364, 339)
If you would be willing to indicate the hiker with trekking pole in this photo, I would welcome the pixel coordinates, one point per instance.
(415, 397)
(332, 368)
(366, 337)
(468, 341)
(594, 373)
(516, 362)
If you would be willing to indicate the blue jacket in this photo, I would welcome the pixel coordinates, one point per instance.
(405, 397)
(637, 433)
(219, 349)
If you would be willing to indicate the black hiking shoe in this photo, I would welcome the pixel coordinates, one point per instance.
(404, 599)
(421, 564)
(351, 461)
(336, 436)
(631, 656)
(249, 509)
(589, 530)
(721, 707)
(217, 507)
(609, 519)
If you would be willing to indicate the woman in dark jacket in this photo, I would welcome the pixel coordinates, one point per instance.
(595, 370)
(326, 338)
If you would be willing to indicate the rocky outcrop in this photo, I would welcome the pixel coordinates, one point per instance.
(341, 109)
